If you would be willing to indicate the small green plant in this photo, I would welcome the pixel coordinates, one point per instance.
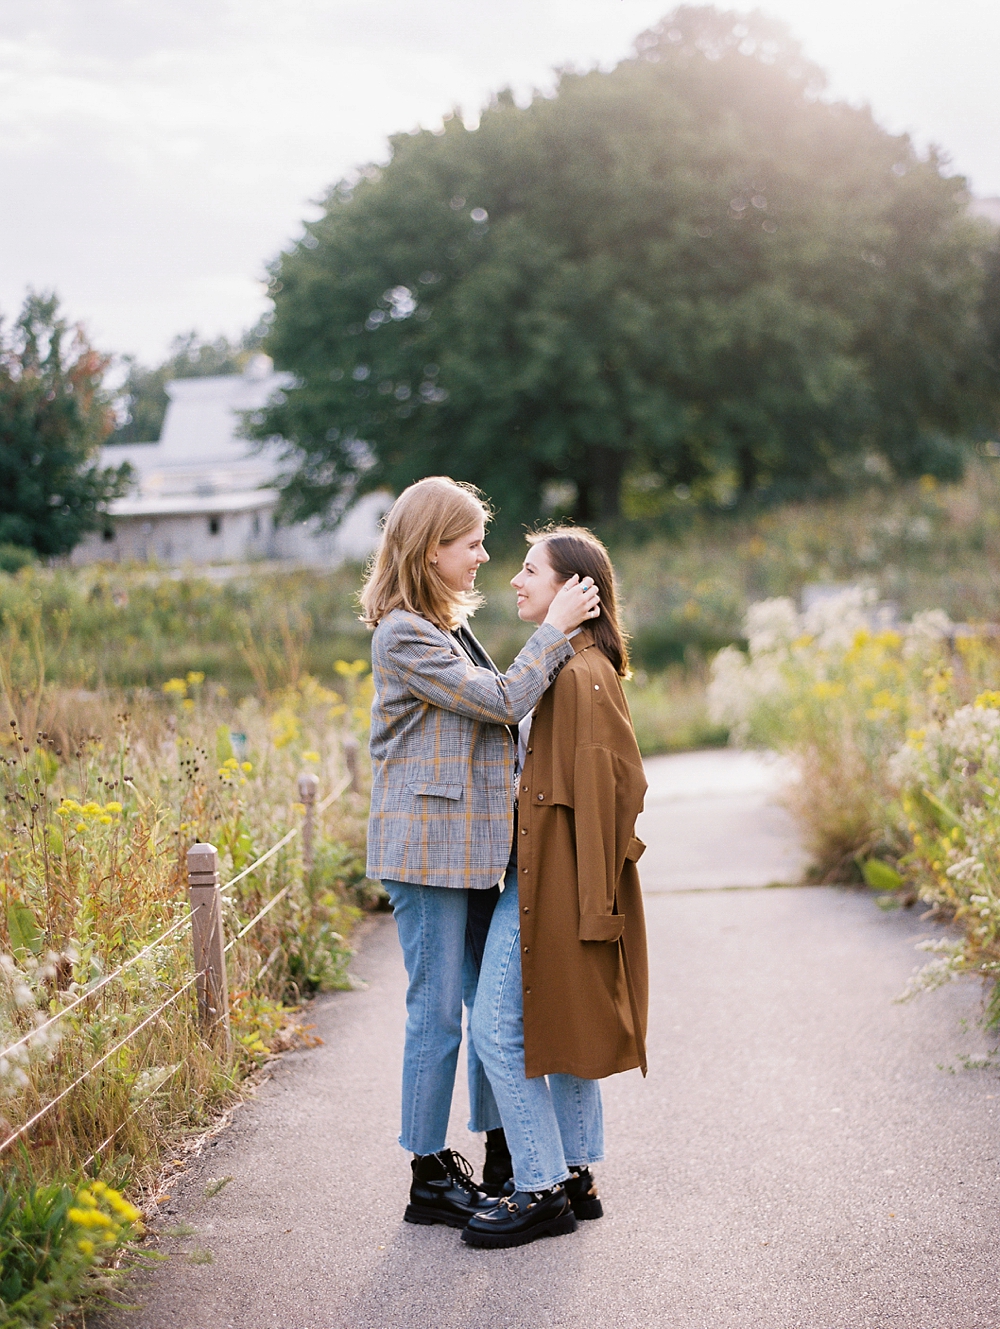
(55, 1243)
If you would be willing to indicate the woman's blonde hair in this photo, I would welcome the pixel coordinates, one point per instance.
(431, 512)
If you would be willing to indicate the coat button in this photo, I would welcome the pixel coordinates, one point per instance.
(524, 870)
(526, 910)
(540, 797)
(597, 687)
(529, 749)
(527, 992)
(524, 831)
(527, 950)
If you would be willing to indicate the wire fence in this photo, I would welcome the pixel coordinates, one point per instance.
(204, 974)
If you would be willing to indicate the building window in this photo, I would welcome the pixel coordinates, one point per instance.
(108, 535)
(214, 524)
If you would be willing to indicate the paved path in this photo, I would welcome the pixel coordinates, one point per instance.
(805, 1152)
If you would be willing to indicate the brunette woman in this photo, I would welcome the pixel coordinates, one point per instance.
(439, 837)
(563, 988)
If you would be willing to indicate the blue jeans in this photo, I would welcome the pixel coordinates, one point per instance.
(442, 949)
(550, 1122)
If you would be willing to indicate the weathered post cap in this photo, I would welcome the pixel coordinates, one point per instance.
(308, 784)
(203, 864)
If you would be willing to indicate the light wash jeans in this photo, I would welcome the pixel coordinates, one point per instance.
(550, 1122)
(442, 933)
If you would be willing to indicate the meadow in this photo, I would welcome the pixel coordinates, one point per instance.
(103, 793)
(144, 710)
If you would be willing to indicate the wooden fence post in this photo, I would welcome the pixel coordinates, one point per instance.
(206, 935)
(351, 749)
(308, 785)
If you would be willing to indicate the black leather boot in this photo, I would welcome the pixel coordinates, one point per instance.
(443, 1191)
(582, 1193)
(498, 1168)
(520, 1218)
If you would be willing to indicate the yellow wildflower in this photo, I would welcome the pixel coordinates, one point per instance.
(195, 678)
(246, 766)
(112, 807)
(187, 704)
(105, 820)
(86, 1246)
(988, 701)
(175, 687)
(310, 756)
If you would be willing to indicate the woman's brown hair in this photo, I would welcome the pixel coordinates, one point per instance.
(431, 512)
(575, 549)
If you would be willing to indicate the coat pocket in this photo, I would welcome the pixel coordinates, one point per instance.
(432, 789)
(635, 849)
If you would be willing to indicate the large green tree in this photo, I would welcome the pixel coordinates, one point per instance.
(690, 270)
(54, 415)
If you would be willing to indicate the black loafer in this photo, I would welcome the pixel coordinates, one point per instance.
(520, 1218)
(582, 1193)
(443, 1191)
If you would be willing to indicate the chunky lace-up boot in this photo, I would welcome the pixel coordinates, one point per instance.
(498, 1168)
(520, 1218)
(443, 1191)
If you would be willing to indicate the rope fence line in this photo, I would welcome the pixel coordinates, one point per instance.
(16, 1135)
(135, 1112)
(275, 899)
(210, 954)
(179, 926)
(102, 983)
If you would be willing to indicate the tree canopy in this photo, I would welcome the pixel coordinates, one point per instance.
(689, 273)
(54, 415)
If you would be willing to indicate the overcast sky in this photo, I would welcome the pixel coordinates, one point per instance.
(154, 156)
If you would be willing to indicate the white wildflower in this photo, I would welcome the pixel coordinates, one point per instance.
(971, 731)
(966, 869)
(835, 620)
(771, 625)
(926, 631)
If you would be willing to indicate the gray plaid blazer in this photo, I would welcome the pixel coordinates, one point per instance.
(442, 755)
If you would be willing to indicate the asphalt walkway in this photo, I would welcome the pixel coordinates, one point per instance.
(806, 1153)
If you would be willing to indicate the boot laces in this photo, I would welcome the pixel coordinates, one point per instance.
(458, 1168)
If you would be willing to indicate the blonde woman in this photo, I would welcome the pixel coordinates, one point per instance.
(440, 832)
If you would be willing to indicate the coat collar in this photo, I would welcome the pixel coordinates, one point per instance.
(582, 640)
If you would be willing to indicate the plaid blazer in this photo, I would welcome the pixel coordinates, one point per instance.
(442, 755)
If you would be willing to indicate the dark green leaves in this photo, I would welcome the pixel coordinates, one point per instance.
(53, 417)
(688, 270)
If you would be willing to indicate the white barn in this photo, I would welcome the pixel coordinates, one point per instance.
(203, 495)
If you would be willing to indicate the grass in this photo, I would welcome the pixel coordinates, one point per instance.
(897, 737)
(103, 793)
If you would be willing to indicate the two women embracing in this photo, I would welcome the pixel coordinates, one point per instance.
(503, 829)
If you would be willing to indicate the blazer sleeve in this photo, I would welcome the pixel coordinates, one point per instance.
(420, 656)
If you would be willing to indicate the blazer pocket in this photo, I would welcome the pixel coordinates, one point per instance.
(431, 789)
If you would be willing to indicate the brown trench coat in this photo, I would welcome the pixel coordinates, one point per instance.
(583, 932)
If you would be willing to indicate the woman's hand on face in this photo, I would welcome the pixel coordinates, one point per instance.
(574, 603)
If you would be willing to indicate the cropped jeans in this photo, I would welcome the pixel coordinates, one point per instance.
(442, 931)
(551, 1122)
